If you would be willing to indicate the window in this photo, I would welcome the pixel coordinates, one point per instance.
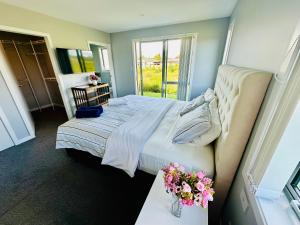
(293, 186)
(163, 66)
(292, 190)
(228, 42)
(104, 59)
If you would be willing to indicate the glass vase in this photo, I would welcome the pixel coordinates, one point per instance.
(176, 207)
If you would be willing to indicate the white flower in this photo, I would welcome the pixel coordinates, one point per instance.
(186, 187)
(198, 199)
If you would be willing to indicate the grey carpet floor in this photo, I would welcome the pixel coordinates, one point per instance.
(43, 186)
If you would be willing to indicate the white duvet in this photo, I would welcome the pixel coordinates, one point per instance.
(141, 116)
(124, 145)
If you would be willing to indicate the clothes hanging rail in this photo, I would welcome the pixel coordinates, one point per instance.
(32, 43)
(50, 79)
(37, 53)
(11, 42)
(4, 41)
(42, 74)
(27, 76)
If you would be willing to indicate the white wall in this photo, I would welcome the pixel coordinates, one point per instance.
(262, 33)
(72, 80)
(62, 34)
(209, 50)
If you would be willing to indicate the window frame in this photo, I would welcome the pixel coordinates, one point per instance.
(291, 190)
(102, 60)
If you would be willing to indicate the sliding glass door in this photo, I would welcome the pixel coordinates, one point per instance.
(149, 68)
(172, 68)
(158, 68)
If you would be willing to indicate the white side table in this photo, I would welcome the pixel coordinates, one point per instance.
(156, 209)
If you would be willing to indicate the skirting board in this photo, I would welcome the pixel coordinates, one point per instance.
(24, 139)
(46, 106)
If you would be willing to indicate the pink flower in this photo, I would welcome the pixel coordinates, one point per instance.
(189, 174)
(207, 195)
(172, 168)
(188, 202)
(186, 187)
(206, 181)
(200, 175)
(200, 186)
(169, 179)
(190, 187)
(204, 203)
(173, 188)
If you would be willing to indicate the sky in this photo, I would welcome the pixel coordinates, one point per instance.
(150, 49)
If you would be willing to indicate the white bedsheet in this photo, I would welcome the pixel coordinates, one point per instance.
(125, 143)
(159, 150)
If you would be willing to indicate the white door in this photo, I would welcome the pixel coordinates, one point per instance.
(11, 83)
(5, 139)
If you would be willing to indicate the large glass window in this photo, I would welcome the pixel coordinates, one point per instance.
(157, 67)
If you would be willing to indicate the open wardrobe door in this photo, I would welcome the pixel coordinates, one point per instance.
(16, 95)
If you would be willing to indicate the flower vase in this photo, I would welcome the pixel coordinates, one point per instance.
(176, 206)
(94, 82)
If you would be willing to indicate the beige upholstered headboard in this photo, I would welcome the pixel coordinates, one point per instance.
(240, 92)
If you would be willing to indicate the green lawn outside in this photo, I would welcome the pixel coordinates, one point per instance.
(152, 77)
(158, 95)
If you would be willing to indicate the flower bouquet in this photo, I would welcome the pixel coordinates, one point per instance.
(187, 188)
(93, 79)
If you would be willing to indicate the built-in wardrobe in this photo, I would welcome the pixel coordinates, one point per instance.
(31, 65)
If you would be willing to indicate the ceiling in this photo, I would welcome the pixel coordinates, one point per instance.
(121, 15)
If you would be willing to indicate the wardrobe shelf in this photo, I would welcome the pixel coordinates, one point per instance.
(38, 53)
(50, 79)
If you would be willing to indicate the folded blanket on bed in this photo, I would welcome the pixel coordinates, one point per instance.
(117, 101)
(89, 111)
(124, 145)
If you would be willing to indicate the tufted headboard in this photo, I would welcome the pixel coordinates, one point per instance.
(240, 92)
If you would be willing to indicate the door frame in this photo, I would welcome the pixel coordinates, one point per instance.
(162, 38)
(13, 87)
(111, 64)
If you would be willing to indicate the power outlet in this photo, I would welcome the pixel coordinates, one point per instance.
(244, 200)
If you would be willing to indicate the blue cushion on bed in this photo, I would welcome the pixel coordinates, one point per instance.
(89, 111)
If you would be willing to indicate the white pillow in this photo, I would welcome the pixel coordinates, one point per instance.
(209, 95)
(215, 129)
(191, 105)
(192, 125)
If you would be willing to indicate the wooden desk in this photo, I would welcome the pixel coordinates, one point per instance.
(90, 95)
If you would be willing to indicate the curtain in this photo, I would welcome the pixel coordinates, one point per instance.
(184, 68)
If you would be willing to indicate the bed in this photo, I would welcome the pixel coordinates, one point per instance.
(91, 135)
(240, 92)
